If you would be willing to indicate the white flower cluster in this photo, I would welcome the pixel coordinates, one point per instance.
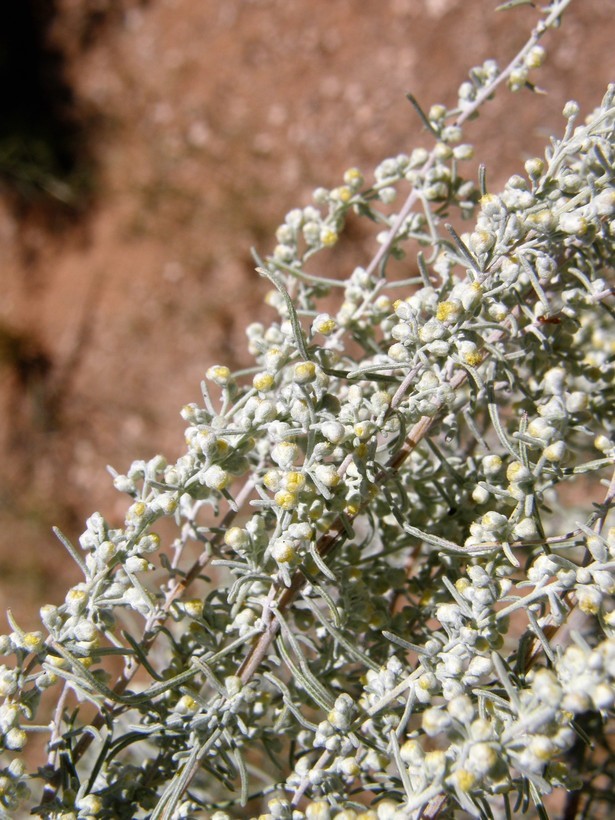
(377, 596)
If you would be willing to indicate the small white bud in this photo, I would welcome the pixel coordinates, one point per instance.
(541, 429)
(15, 739)
(327, 475)
(435, 721)
(285, 454)
(577, 402)
(481, 241)
(535, 57)
(573, 223)
(555, 452)
(462, 152)
(216, 478)
(324, 324)
(491, 464)
(219, 374)
(534, 167)
(482, 757)
(554, 382)
(571, 109)
(518, 472)
(283, 551)
(494, 522)
(461, 708)
(524, 529)
(304, 372)
(603, 443)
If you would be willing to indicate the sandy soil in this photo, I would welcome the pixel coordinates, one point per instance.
(207, 122)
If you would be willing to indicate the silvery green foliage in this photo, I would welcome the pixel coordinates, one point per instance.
(379, 600)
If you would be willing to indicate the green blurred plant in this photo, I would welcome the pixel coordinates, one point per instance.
(393, 610)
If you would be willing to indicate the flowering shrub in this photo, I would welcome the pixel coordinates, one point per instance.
(379, 601)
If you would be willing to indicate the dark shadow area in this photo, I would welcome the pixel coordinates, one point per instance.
(46, 163)
(97, 16)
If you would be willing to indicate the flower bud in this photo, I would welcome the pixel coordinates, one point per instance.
(534, 167)
(285, 454)
(571, 109)
(324, 324)
(216, 478)
(304, 372)
(219, 374)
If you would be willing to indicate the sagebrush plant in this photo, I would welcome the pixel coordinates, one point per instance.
(395, 609)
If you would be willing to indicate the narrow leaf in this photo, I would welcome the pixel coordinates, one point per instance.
(511, 4)
(74, 554)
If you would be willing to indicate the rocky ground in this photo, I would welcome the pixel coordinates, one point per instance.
(190, 128)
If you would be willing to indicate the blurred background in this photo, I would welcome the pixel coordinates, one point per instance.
(145, 147)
